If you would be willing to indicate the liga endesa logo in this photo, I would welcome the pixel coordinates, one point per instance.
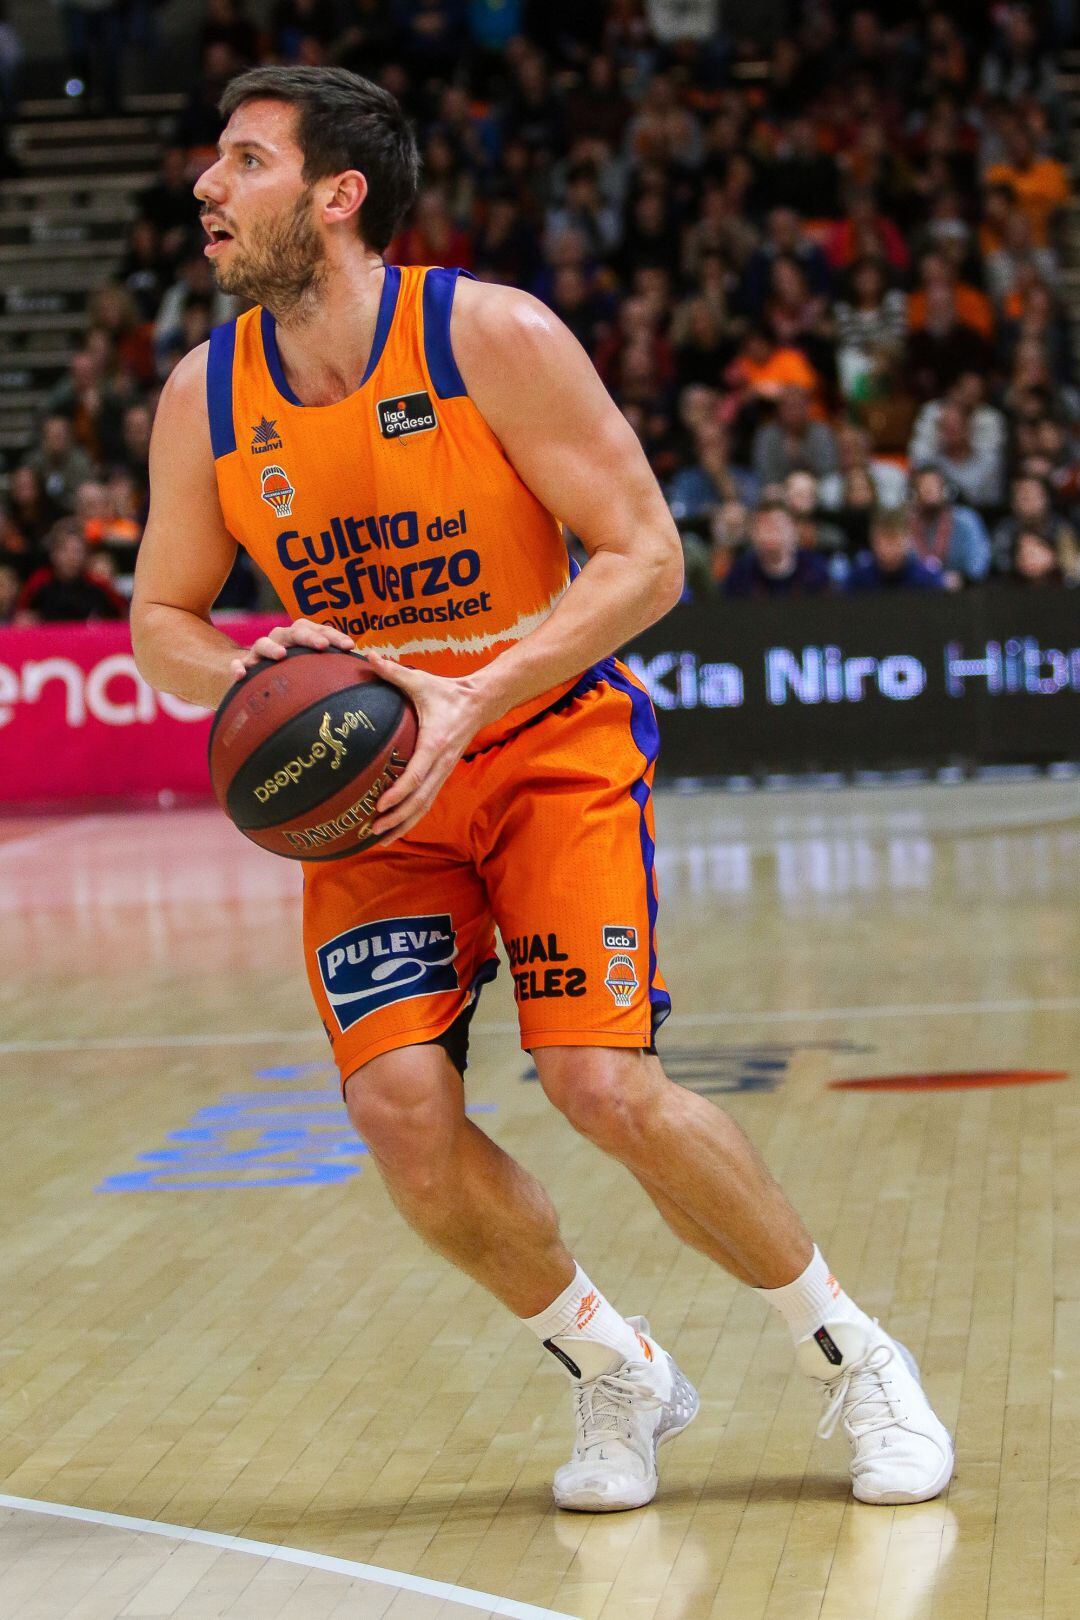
(111, 692)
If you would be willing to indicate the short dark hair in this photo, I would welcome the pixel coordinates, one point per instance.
(343, 122)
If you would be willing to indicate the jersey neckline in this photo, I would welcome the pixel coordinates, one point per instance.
(388, 302)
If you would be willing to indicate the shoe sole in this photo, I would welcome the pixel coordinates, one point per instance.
(940, 1480)
(583, 1504)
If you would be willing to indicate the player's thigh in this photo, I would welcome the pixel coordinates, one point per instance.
(397, 942)
(570, 873)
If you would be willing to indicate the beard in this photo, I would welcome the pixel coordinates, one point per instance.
(282, 267)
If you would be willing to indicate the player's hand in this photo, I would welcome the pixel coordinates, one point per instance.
(450, 714)
(301, 633)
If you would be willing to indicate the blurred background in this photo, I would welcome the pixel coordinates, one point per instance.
(826, 257)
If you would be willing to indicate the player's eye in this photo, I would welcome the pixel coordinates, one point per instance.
(249, 159)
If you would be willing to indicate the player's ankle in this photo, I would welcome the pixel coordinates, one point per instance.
(813, 1300)
(584, 1331)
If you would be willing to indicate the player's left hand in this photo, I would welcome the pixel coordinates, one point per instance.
(450, 714)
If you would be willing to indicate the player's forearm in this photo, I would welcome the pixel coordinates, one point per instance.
(178, 652)
(613, 599)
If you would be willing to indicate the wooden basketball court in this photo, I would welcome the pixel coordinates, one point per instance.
(234, 1385)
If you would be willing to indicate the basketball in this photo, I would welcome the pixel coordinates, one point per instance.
(302, 748)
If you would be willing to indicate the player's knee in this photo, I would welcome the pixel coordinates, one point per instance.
(605, 1093)
(399, 1109)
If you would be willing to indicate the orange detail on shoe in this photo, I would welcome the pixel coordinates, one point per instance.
(644, 1343)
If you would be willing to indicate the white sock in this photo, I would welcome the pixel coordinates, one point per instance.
(585, 1332)
(812, 1301)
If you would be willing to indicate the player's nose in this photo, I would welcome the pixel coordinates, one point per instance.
(209, 186)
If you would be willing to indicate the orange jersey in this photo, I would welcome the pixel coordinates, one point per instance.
(393, 514)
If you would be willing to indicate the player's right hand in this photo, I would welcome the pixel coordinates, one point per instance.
(301, 633)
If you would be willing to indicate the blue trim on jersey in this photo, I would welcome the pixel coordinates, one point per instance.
(646, 735)
(387, 305)
(388, 299)
(438, 301)
(219, 407)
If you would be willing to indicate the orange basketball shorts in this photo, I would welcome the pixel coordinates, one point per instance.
(547, 837)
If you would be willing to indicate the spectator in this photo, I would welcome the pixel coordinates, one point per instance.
(1035, 562)
(227, 23)
(970, 306)
(65, 590)
(815, 530)
(864, 232)
(9, 592)
(293, 22)
(703, 348)
(584, 209)
(795, 317)
(891, 562)
(696, 490)
(943, 347)
(142, 272)
(784, 239)
(775, 565)
(31, 513)
(59, 462)
(431, 237)
(1040, 185)
(946, 534)
(793, 441)
(114, 311)
(985, 422)
(872, 317)
(1031, 509)
(729, 535)
(194, 285)
(976, 474)
(170, 205)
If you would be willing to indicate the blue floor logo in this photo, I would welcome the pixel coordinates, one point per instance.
(293, 1132)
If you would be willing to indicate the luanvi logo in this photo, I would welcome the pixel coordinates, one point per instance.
(405, 414)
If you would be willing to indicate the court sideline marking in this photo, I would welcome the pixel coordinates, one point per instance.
(466, 1596)
(797, 1015)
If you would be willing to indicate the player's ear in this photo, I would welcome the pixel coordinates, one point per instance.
(346, 193)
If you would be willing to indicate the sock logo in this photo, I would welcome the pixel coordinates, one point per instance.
(587, 1310)
(833, 1286)
(829, 1348)
(560, 1355)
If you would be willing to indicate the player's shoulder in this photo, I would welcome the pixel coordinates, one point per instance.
(184, 390)
(492, 320)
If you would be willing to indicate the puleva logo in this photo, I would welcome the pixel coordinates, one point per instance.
(264, 437)
(276, 489)
(406, 413)
(394, 959)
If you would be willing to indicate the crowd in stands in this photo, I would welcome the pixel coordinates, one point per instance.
(823, 282)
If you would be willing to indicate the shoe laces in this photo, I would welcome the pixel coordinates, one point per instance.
(602, 1408)
(868, 1396)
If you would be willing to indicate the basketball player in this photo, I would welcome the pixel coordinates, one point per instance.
(397, 448)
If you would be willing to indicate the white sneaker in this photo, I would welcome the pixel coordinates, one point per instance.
(900, 1450)
(621, 1419)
